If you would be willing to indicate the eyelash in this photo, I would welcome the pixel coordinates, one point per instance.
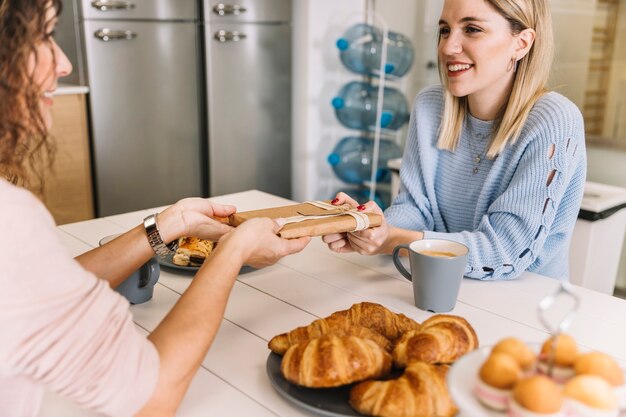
(469, 29)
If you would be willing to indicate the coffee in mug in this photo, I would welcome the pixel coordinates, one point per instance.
(437, 268)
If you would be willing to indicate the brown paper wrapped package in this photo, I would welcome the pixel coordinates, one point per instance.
(313, 227)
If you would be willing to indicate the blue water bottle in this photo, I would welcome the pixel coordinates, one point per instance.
(351, 159)
(356, 104)
(360, 50)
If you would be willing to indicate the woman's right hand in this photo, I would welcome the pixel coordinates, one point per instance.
(257, 243)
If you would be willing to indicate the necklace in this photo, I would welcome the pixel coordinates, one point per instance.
(477, 155)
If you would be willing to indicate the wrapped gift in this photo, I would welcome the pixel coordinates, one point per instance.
(313, 218)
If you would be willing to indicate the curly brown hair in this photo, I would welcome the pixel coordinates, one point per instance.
(25, 148)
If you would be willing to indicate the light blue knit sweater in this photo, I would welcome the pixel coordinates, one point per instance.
(509, 214)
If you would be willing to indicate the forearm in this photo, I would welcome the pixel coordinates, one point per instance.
(398, 236)
(186, 333)
(118, 259)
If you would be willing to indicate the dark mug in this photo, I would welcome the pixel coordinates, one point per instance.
(437, 268)
(139, 286)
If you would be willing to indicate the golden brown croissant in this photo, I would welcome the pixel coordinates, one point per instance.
(378, 318)
(339, 327)
(331, 361)
(421, 391)
(441, 339)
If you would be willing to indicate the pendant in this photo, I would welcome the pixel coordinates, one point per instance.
(475, 170)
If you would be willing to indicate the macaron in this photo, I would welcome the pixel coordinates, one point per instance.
(496, 378)
(537, 395)
(518, 350)
(602, 365)
(590, 396)
(561, 354)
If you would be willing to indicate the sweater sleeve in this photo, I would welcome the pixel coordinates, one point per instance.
(61, 326)
(538, 209)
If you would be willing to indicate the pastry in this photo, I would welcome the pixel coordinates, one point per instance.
(332, 361)
(590, 396)
(377, 318)
(536, 395)
(496, 379)
(192, 251)
(518, 350)
(563, 357)
(441, 339)
(339, 327)
(421, 391)
(602, 365)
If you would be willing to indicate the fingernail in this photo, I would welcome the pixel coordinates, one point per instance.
(280, 221)
(335, 201)
(361, 207)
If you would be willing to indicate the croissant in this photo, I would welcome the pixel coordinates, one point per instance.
(378, 318)
(420, 392)
(331, 361)
(441, 339)
(337, 326)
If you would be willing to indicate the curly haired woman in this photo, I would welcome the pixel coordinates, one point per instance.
(63, 327)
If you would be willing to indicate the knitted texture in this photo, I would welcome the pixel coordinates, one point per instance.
(517, 211)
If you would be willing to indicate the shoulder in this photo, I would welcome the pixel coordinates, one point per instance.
(555, 112)
(433, 94)
(18, 202)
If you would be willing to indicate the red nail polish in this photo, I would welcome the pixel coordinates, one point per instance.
(335, 201)
(361, 207)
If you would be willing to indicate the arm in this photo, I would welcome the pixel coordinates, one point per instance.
(529, 223)
(116, 260)
(184, 336)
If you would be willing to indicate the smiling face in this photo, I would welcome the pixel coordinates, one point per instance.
(46, 65)
(476, 47)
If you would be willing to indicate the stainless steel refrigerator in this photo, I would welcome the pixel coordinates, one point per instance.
(248, 66)
(145, 79)
(187, 98)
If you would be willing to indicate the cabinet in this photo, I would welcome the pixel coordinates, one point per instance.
(68, 190)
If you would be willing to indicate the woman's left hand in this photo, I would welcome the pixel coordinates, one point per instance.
(366, 242)
(194, 217)
(370, 241)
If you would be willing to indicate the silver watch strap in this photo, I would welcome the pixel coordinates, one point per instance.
(154, 238)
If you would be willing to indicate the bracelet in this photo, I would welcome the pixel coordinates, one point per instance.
(156, 241)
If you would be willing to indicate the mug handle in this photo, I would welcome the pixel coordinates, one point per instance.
(153, 271)
(398, 264)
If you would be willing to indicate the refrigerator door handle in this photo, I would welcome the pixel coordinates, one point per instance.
(107, 35)
(110, 5)
(229, 35)
(226, 9)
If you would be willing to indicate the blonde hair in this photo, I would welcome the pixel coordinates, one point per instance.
(529, 82)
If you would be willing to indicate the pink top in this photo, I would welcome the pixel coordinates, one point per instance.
(60, 326)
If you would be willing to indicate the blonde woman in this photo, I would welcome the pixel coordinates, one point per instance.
(63, 327)
(493, 160)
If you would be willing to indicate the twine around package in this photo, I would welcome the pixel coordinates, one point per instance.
(313, 218)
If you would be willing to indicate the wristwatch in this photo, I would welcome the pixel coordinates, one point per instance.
(156, 241)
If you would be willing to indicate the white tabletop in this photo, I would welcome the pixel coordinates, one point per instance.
(315, 283)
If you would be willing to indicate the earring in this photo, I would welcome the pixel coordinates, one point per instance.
(512, 64)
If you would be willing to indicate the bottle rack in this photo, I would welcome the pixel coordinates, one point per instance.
(377, 81)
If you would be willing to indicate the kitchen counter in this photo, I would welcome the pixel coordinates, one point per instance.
(300, 288)
(65, 89)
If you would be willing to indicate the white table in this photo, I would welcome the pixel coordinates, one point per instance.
(232, 380)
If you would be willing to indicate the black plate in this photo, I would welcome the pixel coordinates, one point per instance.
(167, 262)
(331, 402)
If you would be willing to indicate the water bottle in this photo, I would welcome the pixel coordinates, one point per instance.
(356, 104)
(351, 159)
(360, 50)
(362, 195)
